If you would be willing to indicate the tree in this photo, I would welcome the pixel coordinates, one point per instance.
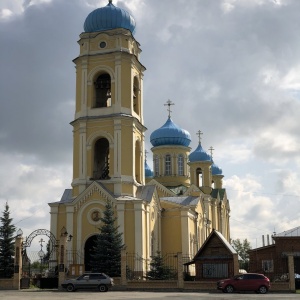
(158, 270)
(107, 250)
(242, 248)
(47, 255)
(7, 245)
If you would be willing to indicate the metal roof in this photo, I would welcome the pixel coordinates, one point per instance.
(170, 134)
(185, 200)
(289, 233)
(199, 155)
(67, 196)
(107, 18)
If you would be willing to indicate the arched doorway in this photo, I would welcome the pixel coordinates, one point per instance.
(40, 267)
(89, 251)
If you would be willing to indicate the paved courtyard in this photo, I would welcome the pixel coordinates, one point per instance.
(117, 295)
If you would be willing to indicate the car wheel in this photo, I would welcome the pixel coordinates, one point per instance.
(102, 288)
(70, 288)
(262, 290)
(229, 289)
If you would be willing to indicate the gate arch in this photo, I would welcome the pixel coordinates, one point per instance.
(37, 232)
(47, 274)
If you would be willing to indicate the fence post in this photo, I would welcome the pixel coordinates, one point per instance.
(291, 272)
(180, 282)
(18, 263)
(62, 257)
(123, 268)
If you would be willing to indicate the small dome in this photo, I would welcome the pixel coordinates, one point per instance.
(148, 171)
(215, 170)
(199, 155)
(109, 17)
(170, 134)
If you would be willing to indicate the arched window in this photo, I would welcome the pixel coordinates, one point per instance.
(168, 167)
(138, 158)
(136, 96)
(101, 159)
(103, 91)
(199, 176)
(180, 165)
(156, 165)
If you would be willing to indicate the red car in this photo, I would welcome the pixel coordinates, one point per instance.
(258, 283)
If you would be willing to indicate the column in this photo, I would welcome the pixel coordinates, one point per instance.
(69, 221)
(121, 220)
(291, 272)
(18, 263)
(62, 257)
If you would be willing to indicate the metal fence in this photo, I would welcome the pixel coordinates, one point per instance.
(158, 267)
(74, 257)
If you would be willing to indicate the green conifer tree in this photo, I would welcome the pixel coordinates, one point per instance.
(107, 250)
(7, 245)
(158, 270)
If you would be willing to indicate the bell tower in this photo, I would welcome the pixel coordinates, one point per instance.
(108, 128)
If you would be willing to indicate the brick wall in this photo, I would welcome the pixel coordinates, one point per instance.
(152, 284)
(188, 285)
(276, 256)
(7, 284)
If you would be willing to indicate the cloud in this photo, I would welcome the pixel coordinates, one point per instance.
(230, 67)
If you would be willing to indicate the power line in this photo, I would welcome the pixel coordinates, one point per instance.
(257, 193)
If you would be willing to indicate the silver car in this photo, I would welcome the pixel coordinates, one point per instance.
(99, 281)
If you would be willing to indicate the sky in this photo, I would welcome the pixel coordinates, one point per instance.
(231, 67)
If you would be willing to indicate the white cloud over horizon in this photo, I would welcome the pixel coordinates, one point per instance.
(231, 68)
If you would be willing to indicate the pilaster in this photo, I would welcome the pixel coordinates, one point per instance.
(18, 263)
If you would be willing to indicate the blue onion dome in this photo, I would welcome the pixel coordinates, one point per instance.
(215, 170)
(199, 155)
(170, 134)
(109, 17)
(148, 171)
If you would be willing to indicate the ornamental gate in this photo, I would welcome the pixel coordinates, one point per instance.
(40, 268)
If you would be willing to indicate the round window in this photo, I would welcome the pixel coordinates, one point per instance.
(95, 215)
(102, 45)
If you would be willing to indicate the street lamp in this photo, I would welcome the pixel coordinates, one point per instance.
(19, 233)
(41, 255)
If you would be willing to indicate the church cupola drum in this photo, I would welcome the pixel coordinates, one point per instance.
(109, 104)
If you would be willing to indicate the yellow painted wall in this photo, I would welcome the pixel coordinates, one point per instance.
(129, 227)
(171, 231)
(174, 151)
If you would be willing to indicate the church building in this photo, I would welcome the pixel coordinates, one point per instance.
(171, 209)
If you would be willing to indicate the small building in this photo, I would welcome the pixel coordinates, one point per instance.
(215, 259)
(272, 260)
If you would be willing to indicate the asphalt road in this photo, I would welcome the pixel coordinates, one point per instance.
(117, 295)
